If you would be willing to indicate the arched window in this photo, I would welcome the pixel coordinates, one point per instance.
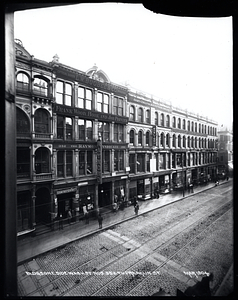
(167, 140)
(23, 123)
(140, 115)
(132, 136)
(184, 142)
(199, 142)
(167, 121)
(147, 116)
(40, 86)
(184, 124)
(156, 118)
(205, 129)
(42, 121)
(23, 81)
(202, 128)
(174, 140)
(196, 127)
(162, 139)
(140, 138)
(147, 138)
(188, 141)
(174, 122)
(179, 141)
(195, 143)
(132, 113)
(188, 125)
(42, 160)
(192, 129)
(179, 123)
(199, 128)
(162, 120)
(192, 142)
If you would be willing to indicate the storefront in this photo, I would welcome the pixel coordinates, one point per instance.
(65, 199)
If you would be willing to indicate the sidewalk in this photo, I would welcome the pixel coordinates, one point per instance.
(29, 247)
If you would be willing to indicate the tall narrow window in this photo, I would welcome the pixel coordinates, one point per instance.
(103, 102)
(89, 162)
(179, 123)
(104, 132)
(60, 127)
(140, 162)
(106, 161)
(68, 94)
(132, 163)
(140, 138)
(188, 125)
(167, 121)
(60, 164)
(174, 140)
(192, 129)
(82, 163)
(22, 82)
(140, 115)
(147, 138)
(162, 140)
(23, 162)
(162, 120)
(89, 130)
(69, 128)
(69, 163)
(184, 142)
(167, 140)
(179, 141)
(132, 113)
(148, 157)
(174, 122)
(156, 118)
(118, 106)
(184, 124)
(132, 137)
(118, 160)
(147, 116)
(118, 133)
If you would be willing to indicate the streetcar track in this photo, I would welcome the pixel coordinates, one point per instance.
(155, 250)
(136, 248)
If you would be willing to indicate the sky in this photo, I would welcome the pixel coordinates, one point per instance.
(184, 60)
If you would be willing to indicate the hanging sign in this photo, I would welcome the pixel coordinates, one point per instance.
(99, 161)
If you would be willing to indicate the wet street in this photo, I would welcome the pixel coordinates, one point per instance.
(171, 247)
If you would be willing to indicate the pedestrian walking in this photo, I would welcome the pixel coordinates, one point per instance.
(61, 222)
(86, 216)
(100, 219)
(134, 201)
(136, 208)
(69, 215)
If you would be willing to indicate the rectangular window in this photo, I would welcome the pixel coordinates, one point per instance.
(173, 160)
(118, 133)
(64, 93)
(104, 131)
(60, 127)
(140, 162)
(23, 162)
(118, 106)
(82, 163)
(106, 161)
(85, 98)
(103, 103)
(118, 160)
(81, 130)
(162, 161)
(60, 163)
(148, 156)
(167, 160)
(85, 130)
(69, 128)
(89, 162)
(69, 163)
(132, 163)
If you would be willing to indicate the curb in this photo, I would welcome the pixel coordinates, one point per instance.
(90, 233)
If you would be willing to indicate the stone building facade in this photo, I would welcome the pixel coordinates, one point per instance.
(85, 141)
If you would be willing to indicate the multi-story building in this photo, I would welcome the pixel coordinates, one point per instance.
(169, 148)
(225, 152)
(83, 140)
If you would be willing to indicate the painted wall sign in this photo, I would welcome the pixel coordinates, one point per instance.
(75, 111)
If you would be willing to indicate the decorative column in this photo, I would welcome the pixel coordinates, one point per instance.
(54, 124)
(135, 163)
(96, 198)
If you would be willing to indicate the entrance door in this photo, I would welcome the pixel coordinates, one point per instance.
(104, 194)
(42, 208)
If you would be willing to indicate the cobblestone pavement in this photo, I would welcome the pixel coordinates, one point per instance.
(168, 248)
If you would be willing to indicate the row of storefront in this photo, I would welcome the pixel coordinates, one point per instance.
(44, 202)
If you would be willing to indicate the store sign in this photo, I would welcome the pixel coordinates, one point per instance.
(154, 135)
(66, 191)
(88, 114)
(99, 161)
